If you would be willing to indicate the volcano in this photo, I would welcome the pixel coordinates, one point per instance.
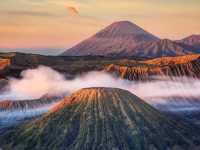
(126, 39)
(113, 40)
(102, 118)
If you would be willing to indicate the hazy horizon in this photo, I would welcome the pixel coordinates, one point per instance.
(51, 24)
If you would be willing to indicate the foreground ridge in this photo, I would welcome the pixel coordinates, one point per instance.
(102, 118)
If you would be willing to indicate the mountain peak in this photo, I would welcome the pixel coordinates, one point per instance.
(124, 24)
(123, 28)
(102, 118)
(114, 39)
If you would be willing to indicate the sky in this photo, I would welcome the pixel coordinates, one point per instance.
(54, 25)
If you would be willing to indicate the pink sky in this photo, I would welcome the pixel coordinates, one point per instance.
(63, 23)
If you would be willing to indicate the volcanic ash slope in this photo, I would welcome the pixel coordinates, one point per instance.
(102, 119)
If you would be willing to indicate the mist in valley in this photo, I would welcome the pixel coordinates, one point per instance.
(35, 83)
(165, 93)
(9, 118)
(173, 94)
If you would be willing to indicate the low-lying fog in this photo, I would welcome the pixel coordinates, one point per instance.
(173, 94)
(38, 82)
(8, 118)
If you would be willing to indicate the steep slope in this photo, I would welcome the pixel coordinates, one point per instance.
(102, 118)
(193, 40)
(4, 63)
(160, 48)
(112, 40)
(9, 105)
(14, 112)
(172, 60)
(180, 66)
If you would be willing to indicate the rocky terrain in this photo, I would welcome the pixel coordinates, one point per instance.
(130, 68)
(11, 105)
(4, 63)
(127, 68)
(102, 118)
(166, 66)
(70, 66)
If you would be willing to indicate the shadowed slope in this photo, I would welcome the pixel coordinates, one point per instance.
(180, 66)
(102, 119)
(112, 40)
(193, 40)
(126, 39)
(9, 105)
(160, 48)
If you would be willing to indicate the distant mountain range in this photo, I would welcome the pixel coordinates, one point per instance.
(193, 40)
(127, 39)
